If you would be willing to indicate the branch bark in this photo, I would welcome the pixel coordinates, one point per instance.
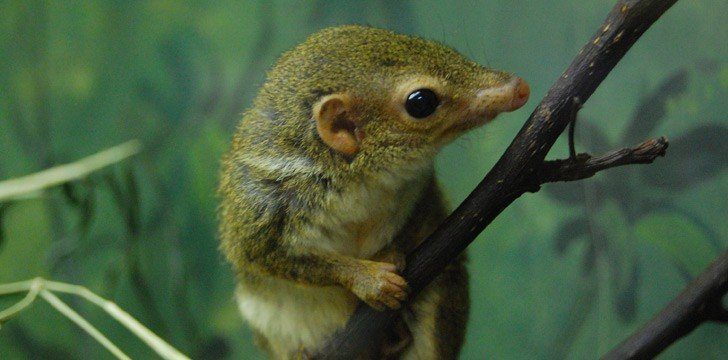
(516, 172)
(584, 166)
(700, 301)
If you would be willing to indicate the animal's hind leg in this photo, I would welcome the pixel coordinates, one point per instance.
(438, 317)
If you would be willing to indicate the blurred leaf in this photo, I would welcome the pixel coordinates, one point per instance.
(697, 156)
(577, 315)
(174, 94)
(613, 233)
(3, 212)
(708, 66)
(210, 140)
(574, 193)
(214, 348)
(176, 53)
(116, 191)
(589, 259)
(564, 192)
(665, 205)
(608, 231)
(329, 13)
(215, 92)
(126, 198)
(625, 297)
(150, 94)
(651, 109)
(143, 291)
(27, 233)
(82, 201)
(111, 276)
(126, 195)
(399, 15)
(132, 199)
(618, 184)
(35, 348)
(678, 238)
(569, 232)
(87, 210)
(260, 51)
(591, 136)
(69, 191)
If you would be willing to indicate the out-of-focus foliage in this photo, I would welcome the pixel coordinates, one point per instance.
(566, 273)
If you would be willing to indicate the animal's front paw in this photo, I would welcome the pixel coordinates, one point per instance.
(379, 286)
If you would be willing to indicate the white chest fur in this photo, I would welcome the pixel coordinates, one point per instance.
(358, 221)
(364, 217)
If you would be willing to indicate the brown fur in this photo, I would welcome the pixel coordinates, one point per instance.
(311, 230)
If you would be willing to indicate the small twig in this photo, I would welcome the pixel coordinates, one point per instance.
(700, 301)
(72, 315)
(572, 127)
(584, 166)
(29, 184)
(42, 286)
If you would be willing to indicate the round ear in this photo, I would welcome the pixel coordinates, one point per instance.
(335, 125)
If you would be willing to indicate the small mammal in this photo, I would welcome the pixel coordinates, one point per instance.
(329, 182)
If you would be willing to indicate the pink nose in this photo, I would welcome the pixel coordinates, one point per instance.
(521, 93)
(504, 97)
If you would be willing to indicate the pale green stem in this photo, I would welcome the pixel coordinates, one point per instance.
(83, 324)
(34, 183)
(161, 347)
(20, 286)
(35, 286)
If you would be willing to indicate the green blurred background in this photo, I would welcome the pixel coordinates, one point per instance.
(564, 273)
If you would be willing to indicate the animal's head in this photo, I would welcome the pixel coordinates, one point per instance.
(379, 100)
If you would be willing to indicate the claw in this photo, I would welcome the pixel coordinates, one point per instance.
(379, 286)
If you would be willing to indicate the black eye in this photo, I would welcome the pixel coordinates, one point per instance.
(421, 103)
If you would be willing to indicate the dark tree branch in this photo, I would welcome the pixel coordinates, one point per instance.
(700, 301)
(584, 166)
(720, 316)
(512, 175)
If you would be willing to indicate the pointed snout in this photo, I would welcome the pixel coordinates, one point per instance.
(504, 98)
(521, 93)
